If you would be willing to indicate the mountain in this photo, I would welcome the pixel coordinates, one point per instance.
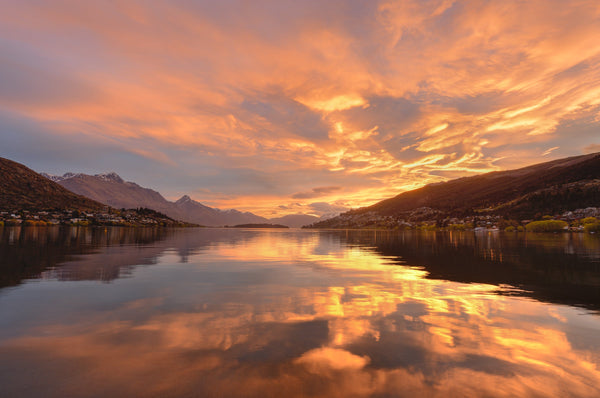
(111, 189)
(23, 189)
(197, 212)
(545, 188)
(28, 198)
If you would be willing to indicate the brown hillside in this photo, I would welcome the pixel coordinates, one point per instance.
(23, 189)
(497, 189)
(548, 188)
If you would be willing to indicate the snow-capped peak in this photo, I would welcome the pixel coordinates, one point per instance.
(184, 199)
(111, 176)
(66, 176)
(63, 177)
(51, 177)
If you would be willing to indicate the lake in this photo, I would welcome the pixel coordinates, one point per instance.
(124, 312)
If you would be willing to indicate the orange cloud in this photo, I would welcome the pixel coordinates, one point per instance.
(381, 96)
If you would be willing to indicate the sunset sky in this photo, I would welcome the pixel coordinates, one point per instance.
(281, 107)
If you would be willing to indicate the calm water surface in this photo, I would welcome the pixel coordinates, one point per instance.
(282, 313)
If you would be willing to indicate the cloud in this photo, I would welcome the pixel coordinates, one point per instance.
(273, 99)
(312, 335)
(592, 148)
(30, 80)
(326, 358)
(322, 208)
(316, 192)
(280, 116)
(549, 150)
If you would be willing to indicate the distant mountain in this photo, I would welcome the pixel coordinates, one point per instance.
(58, 178)
(23, 189)
(545, 188)
(205, 215)
(111, 189)
(197, 212)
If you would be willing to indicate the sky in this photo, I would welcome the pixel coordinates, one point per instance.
(282, 107)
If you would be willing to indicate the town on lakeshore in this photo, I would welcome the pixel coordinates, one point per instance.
(579, 220)
(107, 217)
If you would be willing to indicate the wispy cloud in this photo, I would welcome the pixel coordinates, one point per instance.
(549, 150)
(315, 192)
(267, 102)
(592, 148)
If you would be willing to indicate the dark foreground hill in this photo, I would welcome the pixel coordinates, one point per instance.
(23, 189)
(545, 188)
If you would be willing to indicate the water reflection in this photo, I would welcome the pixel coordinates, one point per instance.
(298, 313)
(558, 268)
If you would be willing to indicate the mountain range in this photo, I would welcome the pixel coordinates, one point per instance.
(111, 189)
(29, 198)
(545, 188)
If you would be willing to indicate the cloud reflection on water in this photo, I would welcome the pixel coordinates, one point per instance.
(292, 314)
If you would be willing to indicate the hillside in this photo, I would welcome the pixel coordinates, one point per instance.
(545, 188)
(23, 189)
(28, 198)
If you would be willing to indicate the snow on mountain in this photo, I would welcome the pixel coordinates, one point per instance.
(63, 177)
(51, 177)
(183, 200)
(111, 176)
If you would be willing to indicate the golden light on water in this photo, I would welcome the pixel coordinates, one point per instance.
(369, 307)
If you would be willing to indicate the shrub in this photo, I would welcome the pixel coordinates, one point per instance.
(456, 227)
(34, 223)
(588, 220)
(503, 223)
(510, 228)
(592, 227)
(546, 226)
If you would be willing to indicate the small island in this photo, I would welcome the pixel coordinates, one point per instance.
(265, 225)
